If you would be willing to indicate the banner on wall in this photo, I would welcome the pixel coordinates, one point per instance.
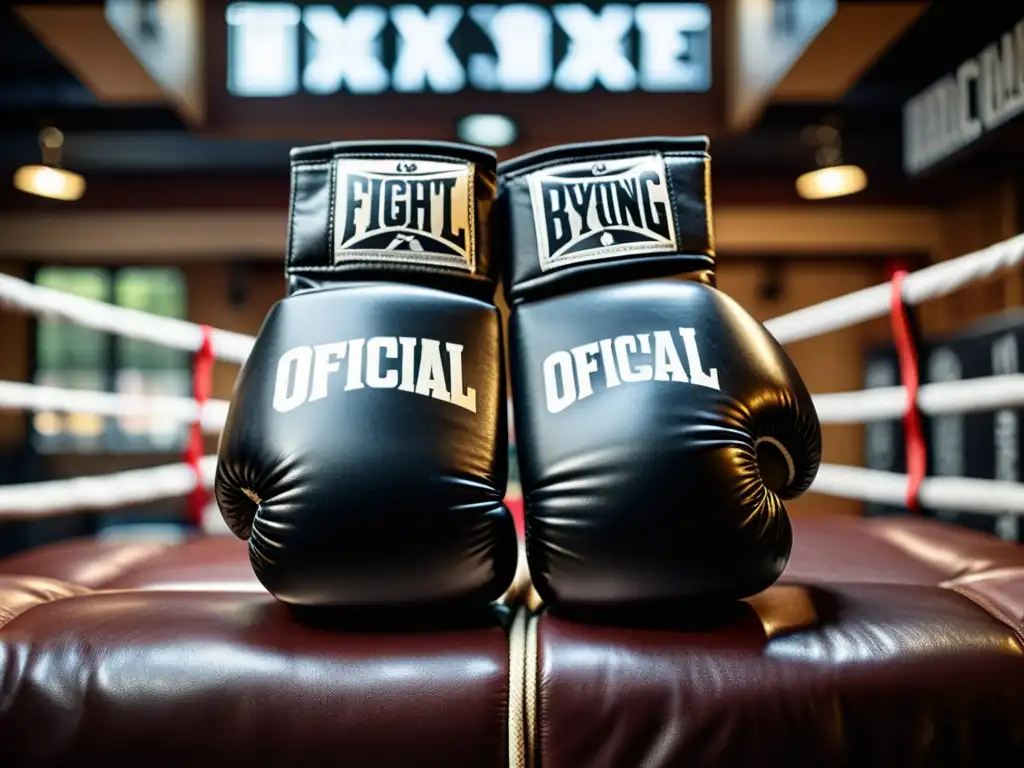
(981, 94)
(985, 444)
(284, 49)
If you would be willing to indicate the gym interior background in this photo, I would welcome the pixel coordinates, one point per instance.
(178, 116)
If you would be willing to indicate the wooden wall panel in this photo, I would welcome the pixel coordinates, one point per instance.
(981, 215)
(213, 301)
(15, 341)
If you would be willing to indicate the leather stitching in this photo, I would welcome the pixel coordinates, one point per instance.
(993, 609)
(609, 155)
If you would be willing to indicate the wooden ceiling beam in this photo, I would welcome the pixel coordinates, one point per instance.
(846, 47)
(125, 58)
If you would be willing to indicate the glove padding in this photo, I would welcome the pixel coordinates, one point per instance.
(366, 470)
(660, 427)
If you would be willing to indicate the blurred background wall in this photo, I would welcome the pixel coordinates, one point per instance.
(181, 134)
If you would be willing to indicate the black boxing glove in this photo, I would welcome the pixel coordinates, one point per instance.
(365, 451)
(659, 426)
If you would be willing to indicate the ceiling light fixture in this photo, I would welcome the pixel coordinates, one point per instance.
(49, 179)
(833, 177)
(487, 130)
(831, 181)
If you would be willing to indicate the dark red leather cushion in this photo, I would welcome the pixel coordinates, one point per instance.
(205, 562)
(887, 643)
(224, 678)
(85, 561)
(212, 562)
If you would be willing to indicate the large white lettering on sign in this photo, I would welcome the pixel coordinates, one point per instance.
(983, 93)
(507, 48)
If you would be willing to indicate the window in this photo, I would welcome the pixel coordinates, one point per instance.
(73, 357)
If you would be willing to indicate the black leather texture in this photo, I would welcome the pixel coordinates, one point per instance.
(372, 495)
(683, 197)
(314, 214)
(365, 452)
(659, 426)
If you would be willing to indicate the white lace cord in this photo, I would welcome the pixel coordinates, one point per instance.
(517, 752)
(30, 397)
(928, 283)
(101, 492)
(987, 497)
(131, 323)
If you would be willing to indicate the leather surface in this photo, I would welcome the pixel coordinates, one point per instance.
(314, 215)
(364, 455)
(202, 560)
(654, 490)
(950, 549)
(223, 678)
(373, 496)
(892, 550)
(204, 563)
(687, 168)
(645, 481)
(219, 563)
(86, 561)
(885, 643)
(19, 594)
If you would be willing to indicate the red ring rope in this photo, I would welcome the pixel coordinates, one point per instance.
(202, 386)
(913, 429)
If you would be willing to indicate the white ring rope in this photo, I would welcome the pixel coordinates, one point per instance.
(78, 494)
(31, 397)
(990, 393)
(993, 497)
(928, 283)
(140, 486)
(130, 323)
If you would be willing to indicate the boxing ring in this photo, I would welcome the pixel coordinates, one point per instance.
(194, 475)
(873, 620)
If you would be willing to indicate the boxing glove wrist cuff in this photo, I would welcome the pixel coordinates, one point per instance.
(373, 207)
(607, 211)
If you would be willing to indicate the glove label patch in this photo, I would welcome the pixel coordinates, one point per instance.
(425, 367)
(571, 375)
(404, 210)
(602, 209)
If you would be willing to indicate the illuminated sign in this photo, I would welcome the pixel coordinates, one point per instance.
(986, 91)
(281, 49)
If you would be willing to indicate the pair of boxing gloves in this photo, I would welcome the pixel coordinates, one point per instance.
(659, 426)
